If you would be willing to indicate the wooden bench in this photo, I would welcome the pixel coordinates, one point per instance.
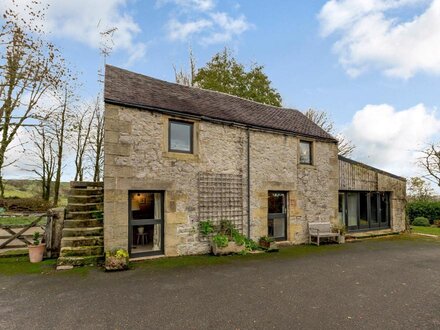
(322, 230)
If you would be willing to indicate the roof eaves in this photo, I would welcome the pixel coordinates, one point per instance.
(213, 119)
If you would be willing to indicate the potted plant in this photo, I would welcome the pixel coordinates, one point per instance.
(341, 230)
(116, 259)
(221, 245)
(36, 249)
(266, 242)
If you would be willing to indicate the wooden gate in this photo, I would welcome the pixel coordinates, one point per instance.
(19, 236)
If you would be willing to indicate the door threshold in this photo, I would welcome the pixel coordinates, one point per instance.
(147, 257)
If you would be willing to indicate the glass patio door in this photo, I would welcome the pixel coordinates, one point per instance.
(146, 231)
(277, 215)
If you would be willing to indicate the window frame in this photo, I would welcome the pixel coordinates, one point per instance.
(191, 136)
(310, 144)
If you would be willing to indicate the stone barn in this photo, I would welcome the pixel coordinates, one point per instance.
(177, 155)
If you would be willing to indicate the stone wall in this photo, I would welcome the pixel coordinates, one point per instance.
(136, 158)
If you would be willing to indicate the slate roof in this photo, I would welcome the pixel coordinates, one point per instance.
(127, 88)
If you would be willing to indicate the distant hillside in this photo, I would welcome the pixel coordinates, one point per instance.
(30, 188)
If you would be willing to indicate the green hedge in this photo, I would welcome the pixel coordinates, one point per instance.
(426, 209)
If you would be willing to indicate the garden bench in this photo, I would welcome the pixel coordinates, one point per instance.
(322, 230)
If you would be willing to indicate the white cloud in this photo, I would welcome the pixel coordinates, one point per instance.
(371, 35)
(199, 18)
(181, 31)
(390, 139)
(83, 20)
(200, 5)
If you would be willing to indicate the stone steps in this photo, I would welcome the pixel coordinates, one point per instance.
(82, 207)
(83, 235)
(85, 231)
(83, 223)
(82, 241)
(73, 199)
(82, 251)
(80, 261)
(84, 215)
(85, 192)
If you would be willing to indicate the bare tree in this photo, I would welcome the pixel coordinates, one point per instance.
(62, 119)
(45, 158)
(97, 141)
(323, 120)
(81, 129)
(430, 162)
(29, 66)
(186, 78)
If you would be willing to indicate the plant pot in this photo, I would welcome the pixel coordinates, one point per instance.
(232, 247)
(264, 244)
(113, 263)
(36, 252)
(341, 239)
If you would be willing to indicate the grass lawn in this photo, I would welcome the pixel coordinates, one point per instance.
(19, 220)
(426, 230)
(10, 266)
(22, 266)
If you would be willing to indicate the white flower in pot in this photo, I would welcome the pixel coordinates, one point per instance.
(36, 250)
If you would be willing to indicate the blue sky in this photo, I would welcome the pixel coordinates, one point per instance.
(373, 65)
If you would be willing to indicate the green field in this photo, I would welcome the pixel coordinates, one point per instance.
(32, 188)
(426, 230)
(8, 221)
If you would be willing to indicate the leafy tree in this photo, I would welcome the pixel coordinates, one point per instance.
(224, 74)
(323, 120)
(419, 189)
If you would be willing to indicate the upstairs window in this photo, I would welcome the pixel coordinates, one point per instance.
(180, 136)
(305, 152)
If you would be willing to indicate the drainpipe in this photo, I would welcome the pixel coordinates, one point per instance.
(248, 184)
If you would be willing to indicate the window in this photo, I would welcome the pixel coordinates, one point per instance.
(180, 136)
(305, 152)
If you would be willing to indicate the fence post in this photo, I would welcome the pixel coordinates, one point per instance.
(54, 231)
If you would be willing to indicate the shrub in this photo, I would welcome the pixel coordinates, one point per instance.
(206, 227)
(220, 240)
(421, 221)
(426, 209)
(32, 204)
(437, 223)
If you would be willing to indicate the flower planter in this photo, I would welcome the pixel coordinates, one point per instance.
(232, 247)
(341, 239)
(36, 252)
(116, 259)
(114, 263)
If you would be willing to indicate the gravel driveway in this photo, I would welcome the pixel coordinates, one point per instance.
(377, 284)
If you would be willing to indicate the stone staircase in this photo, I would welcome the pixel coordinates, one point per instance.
(83, 237)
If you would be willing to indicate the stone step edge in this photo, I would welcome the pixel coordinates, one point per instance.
(84, 204)
(82, 228)
(81, 238)
(79, 261)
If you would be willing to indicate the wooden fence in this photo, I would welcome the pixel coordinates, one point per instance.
(17, 236)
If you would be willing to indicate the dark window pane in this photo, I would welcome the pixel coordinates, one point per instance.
(384, 208)
(305, 152)
(373, 212)
(341, 208)
(180, 136)
(145, 206)
(352, 204)
(277, 203)
(363, 209)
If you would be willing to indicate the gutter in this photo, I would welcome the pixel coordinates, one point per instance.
(248, 184)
